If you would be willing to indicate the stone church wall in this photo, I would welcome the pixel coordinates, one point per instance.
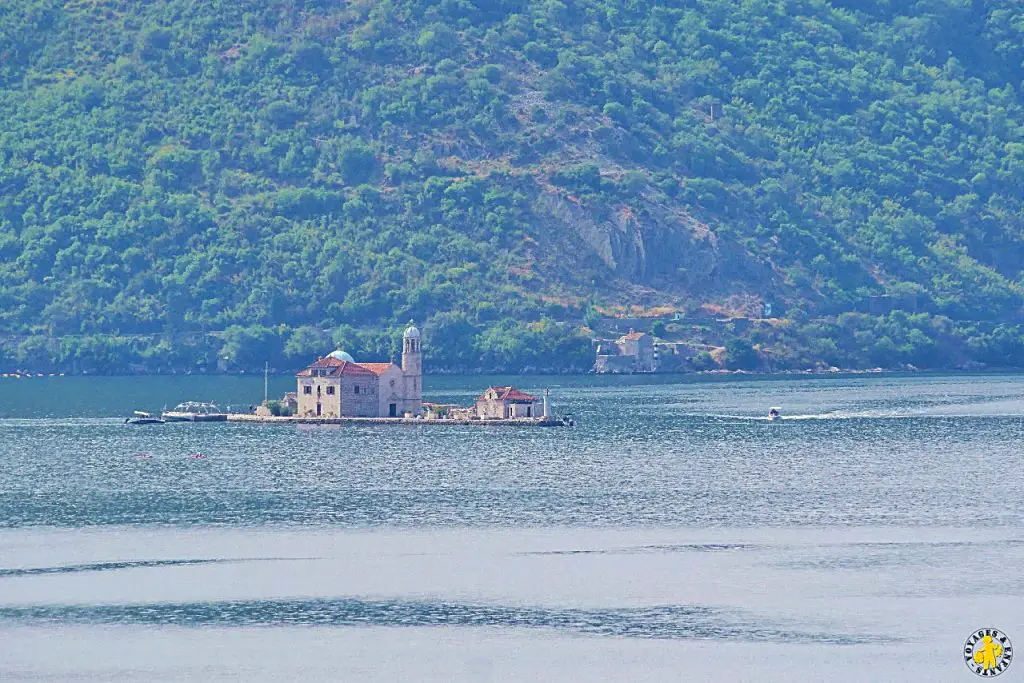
(363, 404)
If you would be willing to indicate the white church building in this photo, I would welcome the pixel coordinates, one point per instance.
(337, 386)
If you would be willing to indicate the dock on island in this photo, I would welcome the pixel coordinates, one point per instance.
(472, 422)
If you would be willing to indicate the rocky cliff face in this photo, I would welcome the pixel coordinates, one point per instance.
(651, 245)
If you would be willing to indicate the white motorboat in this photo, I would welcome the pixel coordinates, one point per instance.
(143, 418)
(194, 411)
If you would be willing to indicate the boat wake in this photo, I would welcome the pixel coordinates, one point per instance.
(833, 415)
(854, 415)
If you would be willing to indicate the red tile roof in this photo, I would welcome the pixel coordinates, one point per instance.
(507, 394)
(377, 368)
(633, 336)
(334, 368)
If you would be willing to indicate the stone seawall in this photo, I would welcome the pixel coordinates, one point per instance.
(514, 422)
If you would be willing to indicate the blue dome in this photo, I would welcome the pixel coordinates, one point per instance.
(341, 355)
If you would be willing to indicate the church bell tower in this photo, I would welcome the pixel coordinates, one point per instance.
(412, 368)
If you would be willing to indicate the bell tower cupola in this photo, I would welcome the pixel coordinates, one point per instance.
(411, 358)
(412, 365)
(412, 368)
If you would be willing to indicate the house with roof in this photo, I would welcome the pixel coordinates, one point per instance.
(500, 403)
(338, 386)
(632, 352)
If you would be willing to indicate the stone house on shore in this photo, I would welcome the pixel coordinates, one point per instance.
(632, 352)
(499, 403)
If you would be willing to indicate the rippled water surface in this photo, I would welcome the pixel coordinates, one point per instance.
(673, 534)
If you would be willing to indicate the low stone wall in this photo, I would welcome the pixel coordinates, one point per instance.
(514, 422)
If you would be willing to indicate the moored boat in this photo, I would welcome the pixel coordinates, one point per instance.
(143, 418)
(195, 411)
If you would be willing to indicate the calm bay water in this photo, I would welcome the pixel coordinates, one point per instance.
(674, 534)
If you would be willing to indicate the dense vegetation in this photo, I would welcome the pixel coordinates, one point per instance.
(182, 182)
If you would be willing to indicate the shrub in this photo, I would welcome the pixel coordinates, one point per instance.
(358, 163)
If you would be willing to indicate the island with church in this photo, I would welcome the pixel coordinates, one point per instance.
(336, 389)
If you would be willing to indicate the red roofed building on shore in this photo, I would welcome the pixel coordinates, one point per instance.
(338, 386)
(499, 403)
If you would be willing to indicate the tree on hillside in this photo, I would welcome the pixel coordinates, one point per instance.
(740, 355)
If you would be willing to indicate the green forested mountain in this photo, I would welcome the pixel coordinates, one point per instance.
(185, 181)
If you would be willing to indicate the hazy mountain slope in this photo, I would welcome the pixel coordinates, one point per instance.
(177, 167)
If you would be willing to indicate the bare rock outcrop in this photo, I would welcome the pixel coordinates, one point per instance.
(653, 245)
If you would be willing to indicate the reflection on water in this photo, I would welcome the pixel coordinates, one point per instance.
(673, 622)
(113, 566)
